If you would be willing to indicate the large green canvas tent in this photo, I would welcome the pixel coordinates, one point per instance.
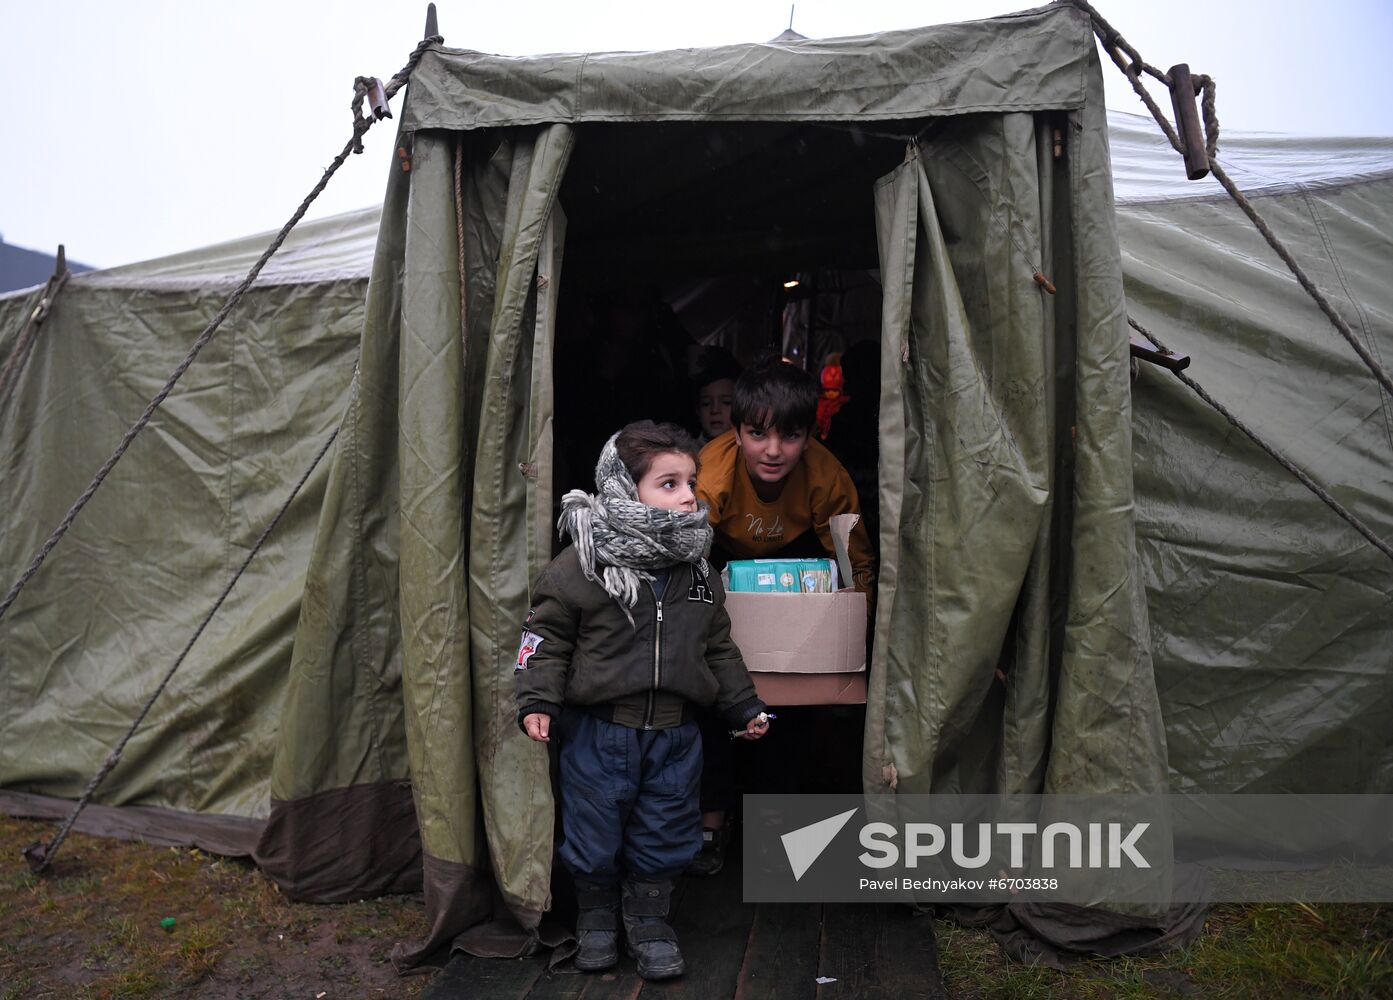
(348, 718)
(1272, 619)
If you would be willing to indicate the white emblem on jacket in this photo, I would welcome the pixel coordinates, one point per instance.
(530, 642)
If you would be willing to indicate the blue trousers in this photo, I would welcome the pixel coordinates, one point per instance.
(629, 799)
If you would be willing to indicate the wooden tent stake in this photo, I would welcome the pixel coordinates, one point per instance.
(1187, 121)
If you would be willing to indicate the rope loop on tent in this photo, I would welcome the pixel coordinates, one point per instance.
(362, 86)
(52, 287)
(1131, 66)
(1276, 456)
(354, 145)
(39, 855)
(1207, 86)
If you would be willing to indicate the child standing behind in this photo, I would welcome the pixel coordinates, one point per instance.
(713, 377)
(627, 635)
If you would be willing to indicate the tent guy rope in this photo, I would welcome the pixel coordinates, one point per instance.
(1276, 456)
(363, 89)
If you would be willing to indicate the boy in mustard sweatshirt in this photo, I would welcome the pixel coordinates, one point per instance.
(771, 490)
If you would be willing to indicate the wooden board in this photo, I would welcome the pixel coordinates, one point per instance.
(494, 978)
(739, 951)
(713, 926)
(619, 983)
(878, 952)
(781, 959)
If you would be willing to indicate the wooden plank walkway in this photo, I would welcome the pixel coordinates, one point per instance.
(737, 950)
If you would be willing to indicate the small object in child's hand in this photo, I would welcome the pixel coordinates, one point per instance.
(762, 718)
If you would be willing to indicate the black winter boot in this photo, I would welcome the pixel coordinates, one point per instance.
(649, 937)
(597, 925)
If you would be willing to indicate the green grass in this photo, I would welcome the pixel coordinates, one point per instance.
(91, 929)
(1260, 950)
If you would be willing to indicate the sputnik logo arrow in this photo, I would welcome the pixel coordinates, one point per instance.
(806, 844)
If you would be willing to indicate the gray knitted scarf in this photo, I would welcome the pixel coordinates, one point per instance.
(620, 540)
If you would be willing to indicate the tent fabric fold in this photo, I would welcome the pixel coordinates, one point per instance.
(999, 665)
(971, 505)
(998, 669)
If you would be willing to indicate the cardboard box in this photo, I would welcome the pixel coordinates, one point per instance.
(810, 689)
(806, 634)
(800, 633)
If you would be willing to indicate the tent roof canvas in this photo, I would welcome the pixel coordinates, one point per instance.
(1037, 59)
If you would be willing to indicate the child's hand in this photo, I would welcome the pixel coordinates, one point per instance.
(538, 726)
(756, 727)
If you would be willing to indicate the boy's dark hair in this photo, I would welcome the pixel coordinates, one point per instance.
(775, 393)
(643, 440)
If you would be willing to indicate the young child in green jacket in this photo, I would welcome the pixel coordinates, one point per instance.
(627, 636)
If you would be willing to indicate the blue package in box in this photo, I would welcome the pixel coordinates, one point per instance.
(782, 576)
(788, 640)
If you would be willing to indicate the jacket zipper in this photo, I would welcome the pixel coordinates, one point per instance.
(657, 657)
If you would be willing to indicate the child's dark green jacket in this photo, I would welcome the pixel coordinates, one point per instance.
(579, 649)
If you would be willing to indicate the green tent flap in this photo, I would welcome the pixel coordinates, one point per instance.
(342, 822)
(971, 506)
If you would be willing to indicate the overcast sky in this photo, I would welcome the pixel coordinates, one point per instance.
(137, 128)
